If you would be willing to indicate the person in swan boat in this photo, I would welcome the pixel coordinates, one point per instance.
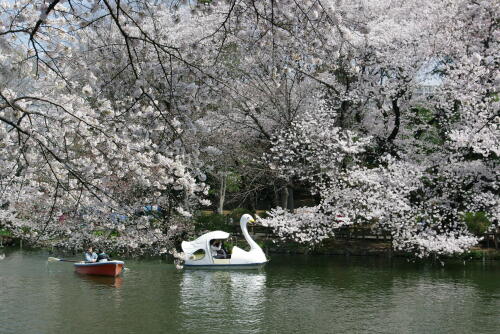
(217, 249)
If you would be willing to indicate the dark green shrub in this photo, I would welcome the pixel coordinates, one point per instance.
(107, 234)
(477, 223)
(238, 212)
(212, 222)
(261, 214)
(5, 232)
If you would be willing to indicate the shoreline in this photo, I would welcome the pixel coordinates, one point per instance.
(372, 248)
(327, 248)
(376, 249)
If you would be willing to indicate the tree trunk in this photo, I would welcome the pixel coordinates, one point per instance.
(284, 197)
(276, 197)
(222, 193)
(397, 116)
(291, 201)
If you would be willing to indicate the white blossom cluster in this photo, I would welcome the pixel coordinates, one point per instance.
(306, 225)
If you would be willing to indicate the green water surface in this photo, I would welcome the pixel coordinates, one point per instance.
(292, 294)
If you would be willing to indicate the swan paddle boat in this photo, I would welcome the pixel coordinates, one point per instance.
(239, 258)
(103, 268)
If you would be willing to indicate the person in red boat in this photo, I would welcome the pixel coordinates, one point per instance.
(102, 257)
(90, 255)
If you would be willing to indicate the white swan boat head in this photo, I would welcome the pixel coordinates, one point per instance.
(197, 253)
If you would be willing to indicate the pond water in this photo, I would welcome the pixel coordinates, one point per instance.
(292, 294)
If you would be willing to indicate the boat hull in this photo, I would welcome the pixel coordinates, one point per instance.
(109, 268)
(225, 266)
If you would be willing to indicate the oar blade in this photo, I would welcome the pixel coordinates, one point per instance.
(53, 259)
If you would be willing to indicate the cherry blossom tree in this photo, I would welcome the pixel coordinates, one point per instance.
(413, 171)
(109, 106)
(85, 137)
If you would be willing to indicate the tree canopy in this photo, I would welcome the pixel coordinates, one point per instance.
(387, 114)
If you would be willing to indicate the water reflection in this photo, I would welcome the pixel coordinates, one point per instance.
(101, 281)
(373, 295)
(218, 299)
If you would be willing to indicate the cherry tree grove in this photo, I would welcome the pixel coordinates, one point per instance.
(388, 114)
(384, 153)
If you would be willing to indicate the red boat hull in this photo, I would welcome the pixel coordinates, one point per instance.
(110, 268)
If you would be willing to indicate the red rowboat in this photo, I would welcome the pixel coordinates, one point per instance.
(106, 268)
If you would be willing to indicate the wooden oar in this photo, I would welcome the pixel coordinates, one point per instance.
(55, 259)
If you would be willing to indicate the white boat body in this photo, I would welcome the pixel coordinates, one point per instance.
(240, 259)
(218, 266)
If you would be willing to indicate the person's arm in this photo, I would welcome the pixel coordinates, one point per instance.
(88, 257)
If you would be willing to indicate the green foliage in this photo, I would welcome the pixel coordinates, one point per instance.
(155, 222)
(474, 254)
(425, 129)
(479, 254)
(303, 202)
(477, 222)
(238, 212)
(5, 232)
(231, 242)
(107, 234)
(212, 222)
(233, 184)
(114, 234)
(424, 114)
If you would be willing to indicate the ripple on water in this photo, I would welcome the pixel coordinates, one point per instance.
(292, 294)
